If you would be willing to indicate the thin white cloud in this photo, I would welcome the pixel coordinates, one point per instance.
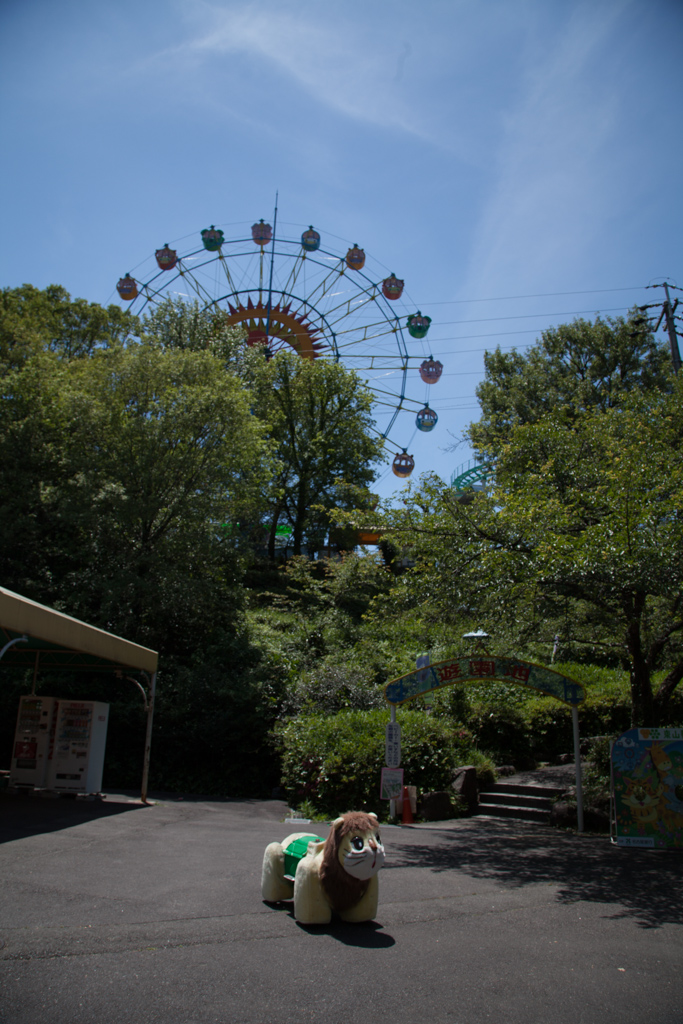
(554, 169)
(351, 72)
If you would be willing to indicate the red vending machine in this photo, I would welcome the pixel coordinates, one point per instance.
(78, 754)
(32, 742)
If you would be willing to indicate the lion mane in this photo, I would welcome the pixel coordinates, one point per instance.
(342, 890)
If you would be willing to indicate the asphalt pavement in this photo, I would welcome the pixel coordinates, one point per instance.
(118, 913)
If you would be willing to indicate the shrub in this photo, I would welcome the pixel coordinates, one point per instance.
(517, 726)
(335, 761)
(331, 688)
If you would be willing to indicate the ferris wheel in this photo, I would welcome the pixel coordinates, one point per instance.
(294, 293)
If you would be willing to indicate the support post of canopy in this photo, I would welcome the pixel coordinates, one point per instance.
(35, 673)
(148, 738)
(577, 762)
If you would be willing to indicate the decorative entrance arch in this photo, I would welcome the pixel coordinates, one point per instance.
(485, 668)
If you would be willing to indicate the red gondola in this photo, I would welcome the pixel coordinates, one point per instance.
(430, 370)
(261, 232)
(392, 287)
(166, 258)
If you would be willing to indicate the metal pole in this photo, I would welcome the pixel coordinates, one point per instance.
(671, 328)
(577, 762)
(270, 283)
(35, 673)
(392, 803)
(148, 738)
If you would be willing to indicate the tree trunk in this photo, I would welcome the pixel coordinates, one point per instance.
(642, 702)
(667, 687)
(272, 534)
(301, 510)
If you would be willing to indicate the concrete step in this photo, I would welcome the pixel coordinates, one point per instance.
(516, 800)
(523, 789)
(540, 803)
(510, 811)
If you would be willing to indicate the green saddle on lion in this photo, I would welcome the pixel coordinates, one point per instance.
(296, 851)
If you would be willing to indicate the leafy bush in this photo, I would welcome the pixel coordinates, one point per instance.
(334, 762)
(517, 726)
(332, 688)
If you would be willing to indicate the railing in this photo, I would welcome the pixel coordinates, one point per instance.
(469, 474)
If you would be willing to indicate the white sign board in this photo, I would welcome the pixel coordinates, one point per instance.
(391, 786)
(392, 750)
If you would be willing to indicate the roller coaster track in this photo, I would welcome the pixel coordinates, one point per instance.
(469, 475)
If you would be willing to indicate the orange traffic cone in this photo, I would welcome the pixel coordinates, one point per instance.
(407, 818)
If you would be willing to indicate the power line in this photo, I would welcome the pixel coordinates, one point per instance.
(529, 316)
(482, 348)
(536, 295)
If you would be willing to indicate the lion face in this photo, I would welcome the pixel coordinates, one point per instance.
(361, 853)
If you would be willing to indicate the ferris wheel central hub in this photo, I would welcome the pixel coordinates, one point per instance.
(283, 326)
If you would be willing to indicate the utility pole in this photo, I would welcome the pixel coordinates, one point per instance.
(667, 314)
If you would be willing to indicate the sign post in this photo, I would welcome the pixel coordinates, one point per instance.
(392, 750)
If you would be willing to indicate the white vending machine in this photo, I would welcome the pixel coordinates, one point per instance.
(78, 754)
(33, 740)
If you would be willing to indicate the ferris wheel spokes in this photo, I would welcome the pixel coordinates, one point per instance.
(286, 292)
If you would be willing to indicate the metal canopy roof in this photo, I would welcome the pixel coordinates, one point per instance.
(60, 642)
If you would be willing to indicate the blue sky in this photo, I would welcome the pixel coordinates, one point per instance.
(517, 162)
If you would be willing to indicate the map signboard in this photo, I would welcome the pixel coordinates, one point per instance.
(647, 780)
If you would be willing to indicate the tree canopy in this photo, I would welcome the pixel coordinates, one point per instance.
(122, 460)
(34, 320)
(579, 534)
(573, 368)
(318, 416)
(133, 449)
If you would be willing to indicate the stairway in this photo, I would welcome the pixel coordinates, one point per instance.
(517, 800)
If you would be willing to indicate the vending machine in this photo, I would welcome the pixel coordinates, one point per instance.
(78, 753)
(33, 740)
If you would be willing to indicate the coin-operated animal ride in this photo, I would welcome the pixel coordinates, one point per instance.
(337, 874)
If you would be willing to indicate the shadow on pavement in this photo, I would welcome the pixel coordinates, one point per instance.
(646, 885)
(30, 816)
(365, 934)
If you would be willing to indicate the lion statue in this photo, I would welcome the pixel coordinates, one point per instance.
(324, 875)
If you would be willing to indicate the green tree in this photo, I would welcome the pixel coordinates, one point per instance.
(122, 461)
(572, 368)
(179, 326)
(582, 526)
(163, 453)
(49, 320)
(318, 415)
(121, 465)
